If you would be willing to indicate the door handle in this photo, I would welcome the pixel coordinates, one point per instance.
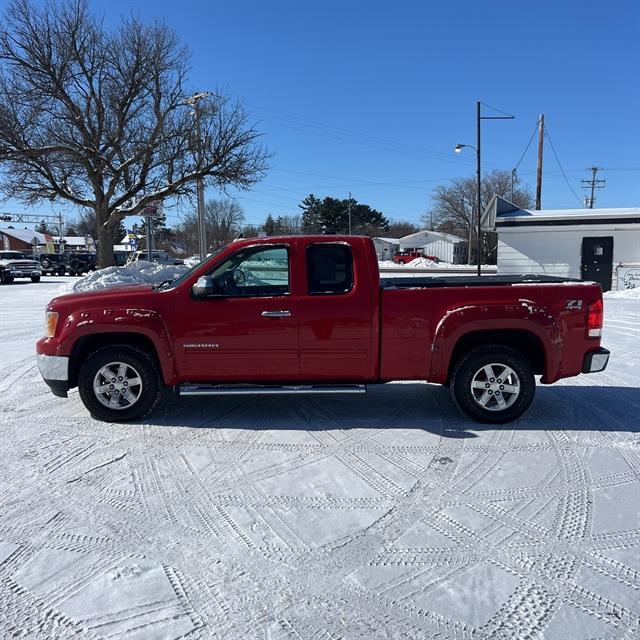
(276, 314)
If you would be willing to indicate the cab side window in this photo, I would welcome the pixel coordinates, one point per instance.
(256, 271)
(329, 269)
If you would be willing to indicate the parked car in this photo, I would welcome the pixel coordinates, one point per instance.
(404, 257)
(54, 263)
(310, 314)
(161, 257)
(15, 264)
(80, 263)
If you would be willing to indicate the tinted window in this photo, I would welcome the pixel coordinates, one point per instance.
(254, 272)
(329, 268)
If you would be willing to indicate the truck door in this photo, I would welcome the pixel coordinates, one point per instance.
(597, 260)
(335, 315)
(248, 330)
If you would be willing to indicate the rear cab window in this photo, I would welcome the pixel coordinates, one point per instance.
(329, 269)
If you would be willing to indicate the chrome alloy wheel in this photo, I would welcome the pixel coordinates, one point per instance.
(495, 387)
(117, 385)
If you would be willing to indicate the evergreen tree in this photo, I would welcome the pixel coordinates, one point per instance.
(311, 216)
(331, 216)
(270, 225)
(43, 227)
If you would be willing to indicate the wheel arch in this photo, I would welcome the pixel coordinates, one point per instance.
(525, 342)
(86, 345)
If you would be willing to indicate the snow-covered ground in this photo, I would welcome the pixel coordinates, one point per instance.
(385, 516)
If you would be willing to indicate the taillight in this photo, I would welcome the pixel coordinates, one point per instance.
(594, 319)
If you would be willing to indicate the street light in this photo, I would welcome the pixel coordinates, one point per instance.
(458, 148)
(202, 227)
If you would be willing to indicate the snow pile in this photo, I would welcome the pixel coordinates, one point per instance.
(625, 293)
(192, 261)
(140, 272)
(418, 263)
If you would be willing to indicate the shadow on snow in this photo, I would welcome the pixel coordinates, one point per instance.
(404, 406)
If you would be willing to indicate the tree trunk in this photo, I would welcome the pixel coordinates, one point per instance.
(105, 241)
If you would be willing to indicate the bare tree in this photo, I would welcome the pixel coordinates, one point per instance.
(99, 117)
(454, 207)
(224, 221)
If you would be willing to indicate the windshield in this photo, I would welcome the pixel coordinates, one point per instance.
(184, 276)
(12, 255)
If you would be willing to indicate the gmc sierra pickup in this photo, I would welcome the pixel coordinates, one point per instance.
(310, 314)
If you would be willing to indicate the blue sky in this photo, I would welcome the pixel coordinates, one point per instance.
(371, 97)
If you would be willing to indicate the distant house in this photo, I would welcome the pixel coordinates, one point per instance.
(24, 240)
(75, 244)
(386, 247)
(444, 246)
(588, 244)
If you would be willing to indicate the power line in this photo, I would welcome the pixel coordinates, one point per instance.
(533, 135)
(498, 110)
(564, 175)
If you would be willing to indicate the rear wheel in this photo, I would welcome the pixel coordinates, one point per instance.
(493, 384)
(119, 384)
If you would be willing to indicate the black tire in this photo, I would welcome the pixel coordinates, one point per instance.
(472, 369)
(61, 271)
(3, 276)
(8, 279)
(46, 264)
(35, 279)
(140, 363)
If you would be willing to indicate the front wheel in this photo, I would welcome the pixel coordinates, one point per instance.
(119, 384)
(493, 384)
(35, 278)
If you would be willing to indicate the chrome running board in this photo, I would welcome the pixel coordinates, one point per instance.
(286, 390)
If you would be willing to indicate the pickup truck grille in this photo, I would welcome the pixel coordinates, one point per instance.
(24, 265)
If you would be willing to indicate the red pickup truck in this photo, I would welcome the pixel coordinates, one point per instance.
(310, 314)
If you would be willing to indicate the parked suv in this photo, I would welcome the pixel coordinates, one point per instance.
(80, 263)
(15, 264)
(161, 257)
(54, 263)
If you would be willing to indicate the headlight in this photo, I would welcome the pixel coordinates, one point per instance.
(51, 322)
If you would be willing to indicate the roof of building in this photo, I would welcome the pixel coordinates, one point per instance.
(75, 241)
(500, 212)
(26, 235)
(439, 235)
(389, 240)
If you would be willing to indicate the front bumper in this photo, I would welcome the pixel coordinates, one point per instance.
(24, 273)
(595, 361)
(55, 372)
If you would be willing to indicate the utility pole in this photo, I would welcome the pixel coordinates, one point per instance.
(194, 100)
(60, 247)
(349, 212)
(539, 175)
(592, 185)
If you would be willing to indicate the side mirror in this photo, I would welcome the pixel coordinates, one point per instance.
(203, 287)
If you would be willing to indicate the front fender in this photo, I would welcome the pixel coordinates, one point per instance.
(146, 322)
(525, 315)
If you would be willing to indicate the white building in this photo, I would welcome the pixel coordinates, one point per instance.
(444, 246)
(386, 247)
(590, 244)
